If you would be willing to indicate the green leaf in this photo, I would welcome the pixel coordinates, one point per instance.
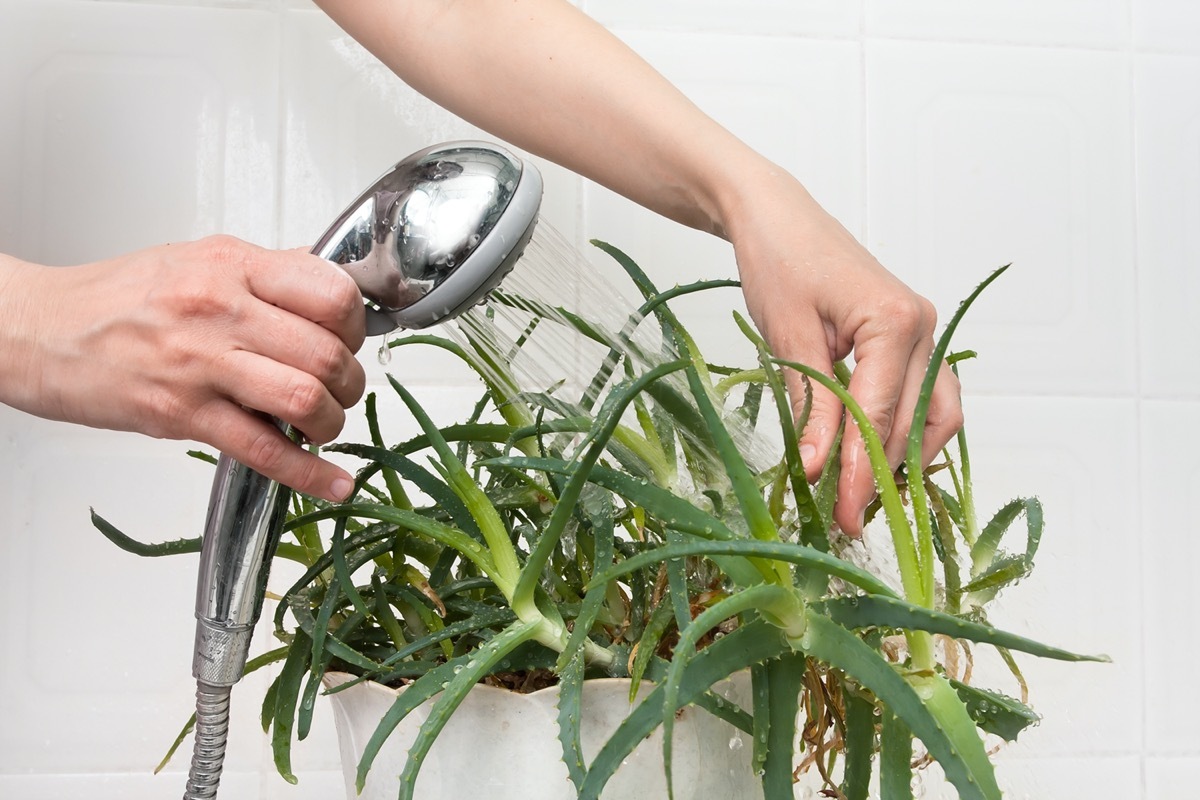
(423, 479)
(454, 691)
(285, 705)
(984, 550)
(570, 709)
(756, 597)
(895, 759)
(940, 721)
(996, 713)
(660, 619)
(751, 644)
(607, 419)
(784, 679)
(780, 551)
(504, 557)
(174, 548)
(814, 530)
(864, 611)
(860, 743)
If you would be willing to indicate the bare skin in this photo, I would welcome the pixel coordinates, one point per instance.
(179, 341)
(815, 293)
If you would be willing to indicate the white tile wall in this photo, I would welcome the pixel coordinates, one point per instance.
(1167, 116)
(1060, 135)
(983, 156)
(1166, 25)
(772, 17)
(1170, 480)
(1082, 23)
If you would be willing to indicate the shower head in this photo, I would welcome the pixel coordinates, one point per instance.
(424, 243)
(436, 233)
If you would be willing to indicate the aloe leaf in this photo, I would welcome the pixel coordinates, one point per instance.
(413, 696)
(860, 744)
(607, 419)
(907, 557)
(129, 545)
(600, 513)
(753, 643)
(660, 619)
(916, 437)
(441, 533)
(863, 611)
(285, 705)
(781, 551)
(395, 488)
(813, 529)
(984, 549)
(1003, 571)
(507, 567)
(677, 585)
(784, 678)
(756, 597)
(455, 690)
(939, 719)
(760, 696)
(895, 759)
(996, 713)
(342, 571)
(570, 702)
(420, 477)
(625, 337)
(673, 511)
(482, 620)
(745, 487)
(727, 710)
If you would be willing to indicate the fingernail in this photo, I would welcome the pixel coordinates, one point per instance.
(341, 488)
(807, 453)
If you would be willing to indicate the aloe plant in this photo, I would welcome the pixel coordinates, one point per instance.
(630, 530)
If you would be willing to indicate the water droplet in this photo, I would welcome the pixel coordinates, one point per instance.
(385, 354)
(458, 669)
(736, 743)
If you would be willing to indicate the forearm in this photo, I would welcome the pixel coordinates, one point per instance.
(19, 312)
(544, 76)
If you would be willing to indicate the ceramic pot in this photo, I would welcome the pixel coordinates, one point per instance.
(500, 745)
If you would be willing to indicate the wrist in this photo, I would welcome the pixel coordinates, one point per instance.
(752, 192)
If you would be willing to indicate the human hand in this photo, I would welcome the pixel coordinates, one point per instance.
(817, 296)
(180, 341)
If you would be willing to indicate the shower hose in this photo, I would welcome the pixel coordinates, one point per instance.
(212, 731)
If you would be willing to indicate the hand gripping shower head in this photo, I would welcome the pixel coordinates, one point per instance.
(427, 241)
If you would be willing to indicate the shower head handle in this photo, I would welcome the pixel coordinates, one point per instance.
(429, 239)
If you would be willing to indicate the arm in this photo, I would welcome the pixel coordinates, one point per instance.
(177, 341)
(545, 77)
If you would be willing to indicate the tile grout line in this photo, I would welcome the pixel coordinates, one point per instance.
(864, 128)
(1138, 432)
(280, 121)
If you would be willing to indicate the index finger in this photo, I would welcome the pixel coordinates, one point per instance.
(313, 288)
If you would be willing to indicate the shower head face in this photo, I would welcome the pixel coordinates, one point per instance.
(436, 233)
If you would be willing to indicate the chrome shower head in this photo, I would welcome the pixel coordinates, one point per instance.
(436, 233)
(425, 242)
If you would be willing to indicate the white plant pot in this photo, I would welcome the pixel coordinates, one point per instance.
(500, 745)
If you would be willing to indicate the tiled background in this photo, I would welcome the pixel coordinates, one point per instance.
(1060, 135)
